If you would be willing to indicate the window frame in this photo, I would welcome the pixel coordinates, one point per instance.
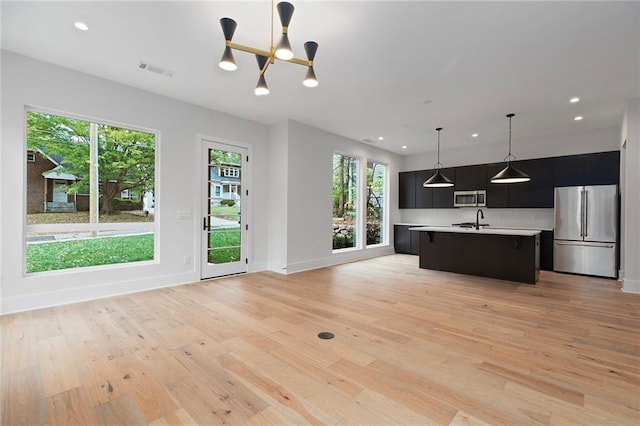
(385, 207)
(359, 214)
(88, 227)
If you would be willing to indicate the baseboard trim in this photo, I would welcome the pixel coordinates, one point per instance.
(337, 259)
(631, 286)
(31, 302)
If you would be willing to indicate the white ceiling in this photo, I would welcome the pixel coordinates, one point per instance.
(396, 69)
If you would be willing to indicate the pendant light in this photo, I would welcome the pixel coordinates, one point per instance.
(438, 180)
(510, 174)
(265, 58)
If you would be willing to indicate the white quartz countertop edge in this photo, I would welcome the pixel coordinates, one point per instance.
(490, 231)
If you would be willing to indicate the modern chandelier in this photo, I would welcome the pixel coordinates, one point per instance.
(438, 180)
(267, 57)
(510, 174)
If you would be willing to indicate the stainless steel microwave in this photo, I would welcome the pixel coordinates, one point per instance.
(470, 198)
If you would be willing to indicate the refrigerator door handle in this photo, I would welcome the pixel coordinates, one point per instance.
(582, 212)
(586, 213)
(604, 245)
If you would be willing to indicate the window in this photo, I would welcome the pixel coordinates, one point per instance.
(217, 191)
(376, 201)
(31, 157)
(345, 201)
(231, 172)
(93, 201)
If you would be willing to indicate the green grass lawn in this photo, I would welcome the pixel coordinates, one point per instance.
(56, 255)
(224, 245)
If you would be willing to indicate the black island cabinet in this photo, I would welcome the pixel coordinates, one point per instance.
(505, 257)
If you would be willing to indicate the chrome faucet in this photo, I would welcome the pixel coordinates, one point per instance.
(477, 219)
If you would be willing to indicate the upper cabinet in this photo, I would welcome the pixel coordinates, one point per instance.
(497, 193)
(407, 190)
(443, 197)
(424, 196)
(601, 168)
(471, 178)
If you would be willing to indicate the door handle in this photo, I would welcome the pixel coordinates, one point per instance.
(206, 223)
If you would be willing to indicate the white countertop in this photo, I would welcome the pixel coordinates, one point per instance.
(486, 230)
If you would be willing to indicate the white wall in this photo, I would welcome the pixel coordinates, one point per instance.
(34, 83)
(278, 189)
(309, 212)
(552, 146)
(631, 197)
(508, 218)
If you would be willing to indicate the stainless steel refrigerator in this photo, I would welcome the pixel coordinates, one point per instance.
(585, 231)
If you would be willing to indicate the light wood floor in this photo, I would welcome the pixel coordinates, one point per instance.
(411, 347)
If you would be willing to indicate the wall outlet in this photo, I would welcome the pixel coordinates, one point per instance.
(187, 260)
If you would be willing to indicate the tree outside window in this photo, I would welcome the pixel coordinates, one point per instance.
(345, 201)
(375, 203)
(90, 194)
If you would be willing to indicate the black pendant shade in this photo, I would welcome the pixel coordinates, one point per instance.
(510, 174)
(438, 180)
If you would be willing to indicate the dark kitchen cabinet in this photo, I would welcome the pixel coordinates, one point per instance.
(424, 196)
(602, 168)
(520, 193)
(568, 170)
(538, 192)
(405, 241)
(541, 185)
(546, 250)
(471, 178)
(497, 193)
(407, 190)
(443, 197)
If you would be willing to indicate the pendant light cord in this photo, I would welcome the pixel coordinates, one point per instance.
(438, 163)
(510, 156)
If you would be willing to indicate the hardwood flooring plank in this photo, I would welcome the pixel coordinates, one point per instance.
(118, 412)
(23, 401)
(71, 408)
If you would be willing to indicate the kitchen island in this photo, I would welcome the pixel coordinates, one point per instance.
(506, 254)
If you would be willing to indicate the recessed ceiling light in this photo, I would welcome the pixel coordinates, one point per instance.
(404, 147)
(574, 100)
(380, 138)
(81, 26)
(578, 118)
(475, 135)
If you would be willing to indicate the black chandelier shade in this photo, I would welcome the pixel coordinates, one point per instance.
(228, 28)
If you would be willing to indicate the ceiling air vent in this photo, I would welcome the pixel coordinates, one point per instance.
(155, 69)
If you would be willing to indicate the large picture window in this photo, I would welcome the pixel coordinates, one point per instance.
(376, 201)
(345, 201)
(90, 194)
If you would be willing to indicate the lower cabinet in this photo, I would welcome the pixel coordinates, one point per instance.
(405, 241)
(546, 250)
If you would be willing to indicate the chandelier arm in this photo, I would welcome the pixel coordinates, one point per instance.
(270, 55)
(272, 48)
